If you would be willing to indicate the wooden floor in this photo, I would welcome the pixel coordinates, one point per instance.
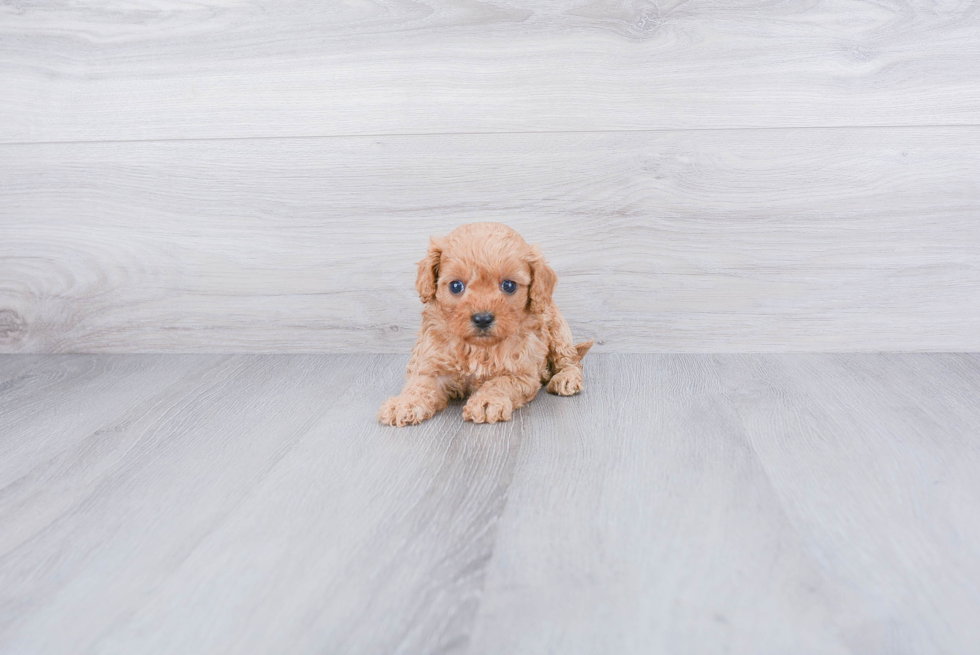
(682, 504)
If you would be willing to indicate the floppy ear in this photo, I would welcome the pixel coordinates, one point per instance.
(543, 281)
(425, 283)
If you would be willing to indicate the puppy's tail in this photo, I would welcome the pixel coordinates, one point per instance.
(582, 348)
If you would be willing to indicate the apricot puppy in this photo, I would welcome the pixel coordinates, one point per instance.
(489, 331)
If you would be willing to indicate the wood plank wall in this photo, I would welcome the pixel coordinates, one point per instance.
(705, 176)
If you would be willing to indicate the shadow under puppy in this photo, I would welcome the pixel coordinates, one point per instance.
(489, 331)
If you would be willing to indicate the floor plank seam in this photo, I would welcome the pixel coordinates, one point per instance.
(375, 135)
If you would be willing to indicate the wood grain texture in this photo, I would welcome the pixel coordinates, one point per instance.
(745, 504)
(167, 70)
(683, 503)
(260, 484)
(704, 241)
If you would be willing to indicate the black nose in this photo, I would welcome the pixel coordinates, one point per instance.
(483, 320)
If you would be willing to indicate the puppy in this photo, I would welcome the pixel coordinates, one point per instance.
(489, 331)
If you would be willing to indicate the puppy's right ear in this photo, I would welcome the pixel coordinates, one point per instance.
(428, 276)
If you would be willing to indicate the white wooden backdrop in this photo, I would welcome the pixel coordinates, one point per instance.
(231, 176)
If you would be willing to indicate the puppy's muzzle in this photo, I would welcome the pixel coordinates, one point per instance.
(482, 320)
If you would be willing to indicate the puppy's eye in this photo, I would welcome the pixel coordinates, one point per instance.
(456, 287)
(508, 286)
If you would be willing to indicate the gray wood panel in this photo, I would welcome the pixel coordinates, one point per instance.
(51, 404)
(683, 503)
(746, 504)
(162, 70)
(702, 241)
(262, 484)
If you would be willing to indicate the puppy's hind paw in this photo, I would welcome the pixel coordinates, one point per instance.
(566, 382)
(488, 409)
(402, 411)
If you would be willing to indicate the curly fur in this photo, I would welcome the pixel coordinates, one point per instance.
(499, 369)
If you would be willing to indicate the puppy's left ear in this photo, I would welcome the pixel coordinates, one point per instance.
(428, 275)
(543, 281)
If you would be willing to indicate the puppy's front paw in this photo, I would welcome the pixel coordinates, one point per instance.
(566, 382)
(404, 410)
(488, 409)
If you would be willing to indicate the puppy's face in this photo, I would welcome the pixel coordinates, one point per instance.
(483, 301)
(486, 280)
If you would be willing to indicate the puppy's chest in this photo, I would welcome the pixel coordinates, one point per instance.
(472, 367)
(470, 374)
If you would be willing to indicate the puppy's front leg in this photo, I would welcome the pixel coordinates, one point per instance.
(497, 399)
(421, 398)
(567, 380)
(565, 359)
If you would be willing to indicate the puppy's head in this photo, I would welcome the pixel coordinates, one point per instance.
(486, 281)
